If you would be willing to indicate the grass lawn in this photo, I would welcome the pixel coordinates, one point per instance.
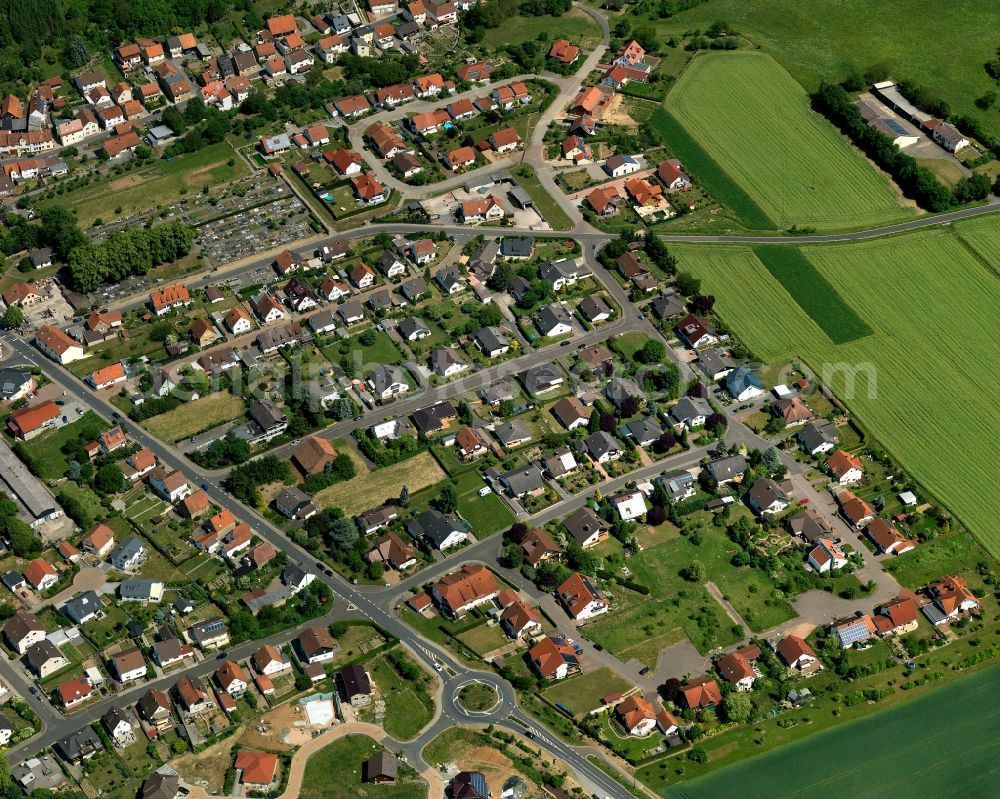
(45, 450)
(550, 210)
(484, 638)
(942, 48)
(752, 119)
(335, 772)
(195, 417)
(477, 696)
(575, 25)
(583, 693)
(383, 351)
(86, 497)
(487, 515)
(628, 344)
(157, 184)
(936, 725)
(371, 489)
(950, 554)
(408, 705)
(926, 280)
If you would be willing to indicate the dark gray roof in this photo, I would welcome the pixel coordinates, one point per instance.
(12, 381)
(593, 306)
(385, 376)
(490, 339)
(765, 492)
(431, 419)
(541, 377)
(511, 432)
(547, 318)
(817, 433)
(413, 288)
(667, 306)
(266, 415)
(81, 606)
(687, 409)
(601, 443)
(726, 468)
(516, 247)
(434, 526)
(620, 388)
(78, 745)
(643, 430)
(411, 325)
(713, 362)
(522, 480)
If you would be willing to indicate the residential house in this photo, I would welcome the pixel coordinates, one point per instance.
(354, 685)
(695, 332)
(888, 539)
(858, 512)
(442, 531)
(689, 413)
(897, 617)
(766, 497)
(797, 655)
(553, 659)
(818, 437)
(315, 645)
(701, 693)
(571, 413)
(458, 592)
(391, 551)
(128, 665)
(118, 724)
(44, 659)
(232, 679)
(295, 504)
(630, 505)
(826, 556)
(743, 384)
(855, 630)
(23, 630)
(586, 527)
(727, 469)
(581, 598)
(845, 467)
(950, 598)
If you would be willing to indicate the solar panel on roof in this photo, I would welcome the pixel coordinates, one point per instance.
(895, 126)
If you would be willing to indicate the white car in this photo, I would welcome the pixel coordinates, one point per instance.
(485, 490)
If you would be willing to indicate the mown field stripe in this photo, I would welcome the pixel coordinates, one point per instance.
(706, 171)
(813, 293)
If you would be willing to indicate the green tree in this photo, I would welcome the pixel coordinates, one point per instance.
(694, 572)
(13, 316)
(738, 707)
(109, 479)
(447, 500)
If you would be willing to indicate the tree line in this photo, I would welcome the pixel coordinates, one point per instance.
(133, 251)
(918, 183)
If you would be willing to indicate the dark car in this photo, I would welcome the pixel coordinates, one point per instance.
(320, 565)
(205, 486)
(329, 572)
(565, 343)
(222, 656)
(644, 671)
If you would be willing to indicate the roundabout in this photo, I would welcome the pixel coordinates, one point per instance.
(477, 697)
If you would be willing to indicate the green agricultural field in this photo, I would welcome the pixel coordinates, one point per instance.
(813, 293)
(931, 301)
(937, 46)
(938, 726)
(754, 121)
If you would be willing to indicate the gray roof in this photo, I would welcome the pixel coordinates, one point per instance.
(139, 590)
(383, 764)
(207, 630)
(412, 325)
(551, 271)
(82, 606)
(765, 492)
(126, 551)
(266, 415)
(676, 484)
(444, 357)
(431, 419)
(667, 306)
(380, 300)
(593, 306)
(817, 433)
(12, 381)
(434, 526)
(516, 247)
(385, 376)
(35, 497)
(114, 717)
(38, 773)
(550, 316)
(583, 524)
(413, 288)
(511, 432)
(448, 278)
(78, 745)
(490, 339)
(351, 310)
(687, 409)
(601, 443)
(713, 362)
(522, 480)
(541, 378)
(323, 320)
(620, 389)
(483, 260)
(643, 430)
(159, 785)
(726, 468)
(497, 392)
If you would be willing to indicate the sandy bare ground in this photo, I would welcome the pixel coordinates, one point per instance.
(126, 182)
